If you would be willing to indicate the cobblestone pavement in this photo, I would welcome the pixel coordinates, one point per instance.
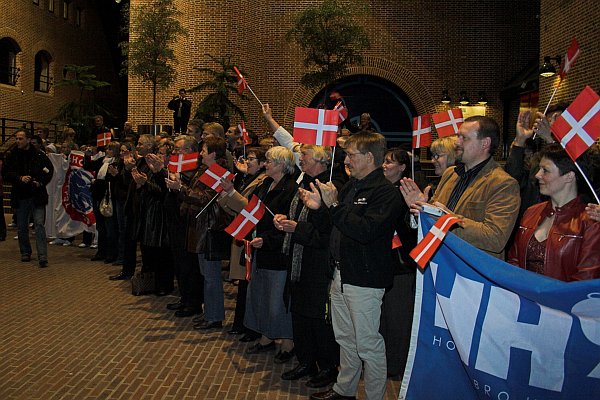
(67, 332)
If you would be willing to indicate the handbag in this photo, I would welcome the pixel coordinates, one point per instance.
(217, 246)
(143, 283)
(106, 207)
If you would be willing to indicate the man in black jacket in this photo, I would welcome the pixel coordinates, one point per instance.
(29, 171)
(363, 216)
(182, 108)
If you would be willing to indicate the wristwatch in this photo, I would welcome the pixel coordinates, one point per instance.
(334, 204)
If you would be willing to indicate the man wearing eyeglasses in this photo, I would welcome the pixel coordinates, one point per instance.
(363, 216)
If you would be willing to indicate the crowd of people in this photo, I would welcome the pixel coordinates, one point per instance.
(327, 285)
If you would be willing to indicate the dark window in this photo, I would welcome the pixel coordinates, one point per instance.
(51, 5)
(8, 61)
(65, 9)
(78, 15)
(42, 72)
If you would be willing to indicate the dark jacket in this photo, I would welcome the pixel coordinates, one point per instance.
(186, 107)
(98, 186)
(269, 256)
(572, 246)
(30, 162)
(402, 261)
(367, 224)
(151, 224)
(311, 292)
(194, 198)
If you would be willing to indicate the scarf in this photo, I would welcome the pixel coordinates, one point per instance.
(104, 168)
(298, 248)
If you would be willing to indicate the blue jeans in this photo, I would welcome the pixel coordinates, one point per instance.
(214, 297)
(24, 210)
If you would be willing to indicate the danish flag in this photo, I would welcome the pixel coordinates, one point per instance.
(212, 177)
(103, 139)
(578, 127)
(342, 111)
(447, 122)
(396, 242)
(244, 132)
(247, 219)
(316, 126)
(421, 131)
(183, 162)
(570, 58)
(427, 247)
(248, 259)
(241, 82)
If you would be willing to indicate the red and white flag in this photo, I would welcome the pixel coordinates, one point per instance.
(244, 132)
(103, 139)
(342, 111)
(241, 81)
(570, 58)
(421, 131)
(316, 126)
(248, 259)
(578, 127)
(183, 162)
(447, 122)
(396, 242)
(212, 177)
(247, 219)
(427, 247)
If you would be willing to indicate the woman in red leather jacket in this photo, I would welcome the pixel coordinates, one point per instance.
(557, 238)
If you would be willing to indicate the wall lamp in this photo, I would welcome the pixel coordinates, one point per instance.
(446, 97)
(482, 99)
(547, 69)
(464, 99)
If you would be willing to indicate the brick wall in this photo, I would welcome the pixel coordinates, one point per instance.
(561, 20)
(34, 28)
(422, 46)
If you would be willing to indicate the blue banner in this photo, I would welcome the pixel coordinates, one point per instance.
(484, 329)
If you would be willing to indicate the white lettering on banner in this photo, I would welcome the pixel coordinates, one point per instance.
(460, 311)
(493, 357)
(488, 391)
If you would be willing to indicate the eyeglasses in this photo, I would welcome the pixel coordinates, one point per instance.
(352, 155)
(251, 158)
(435, 156)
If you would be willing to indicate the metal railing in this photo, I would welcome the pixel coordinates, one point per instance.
(8, 127)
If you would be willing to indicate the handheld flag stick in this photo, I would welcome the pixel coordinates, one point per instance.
(412, 163)
(252, 91)
(587, 181)
(548, 105)
(208, 204)
(332, 160)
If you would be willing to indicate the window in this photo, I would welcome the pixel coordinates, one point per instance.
(42, 72)
(51, 5)
(78, 15)
(65, 9)
(9, 73)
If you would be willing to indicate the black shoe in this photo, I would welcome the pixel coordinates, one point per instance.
(97, 257)
(260, 348)
(300, 371)
(26, 258)
(120, 277)
(206, 325)
(161, 293)
(109, 260)
(330, 395)
(186, 312)
(43, 263)
(248, 338)
(323, 378)
(284, 356)
(236, 331)
(175, 306)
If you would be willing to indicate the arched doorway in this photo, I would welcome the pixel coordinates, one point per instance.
(390, 108)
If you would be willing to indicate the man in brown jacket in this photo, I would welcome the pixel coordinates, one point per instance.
(478, 191)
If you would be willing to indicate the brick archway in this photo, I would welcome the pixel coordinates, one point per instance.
(379, 67)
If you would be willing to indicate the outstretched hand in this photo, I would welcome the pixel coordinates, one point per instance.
(310, 198)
